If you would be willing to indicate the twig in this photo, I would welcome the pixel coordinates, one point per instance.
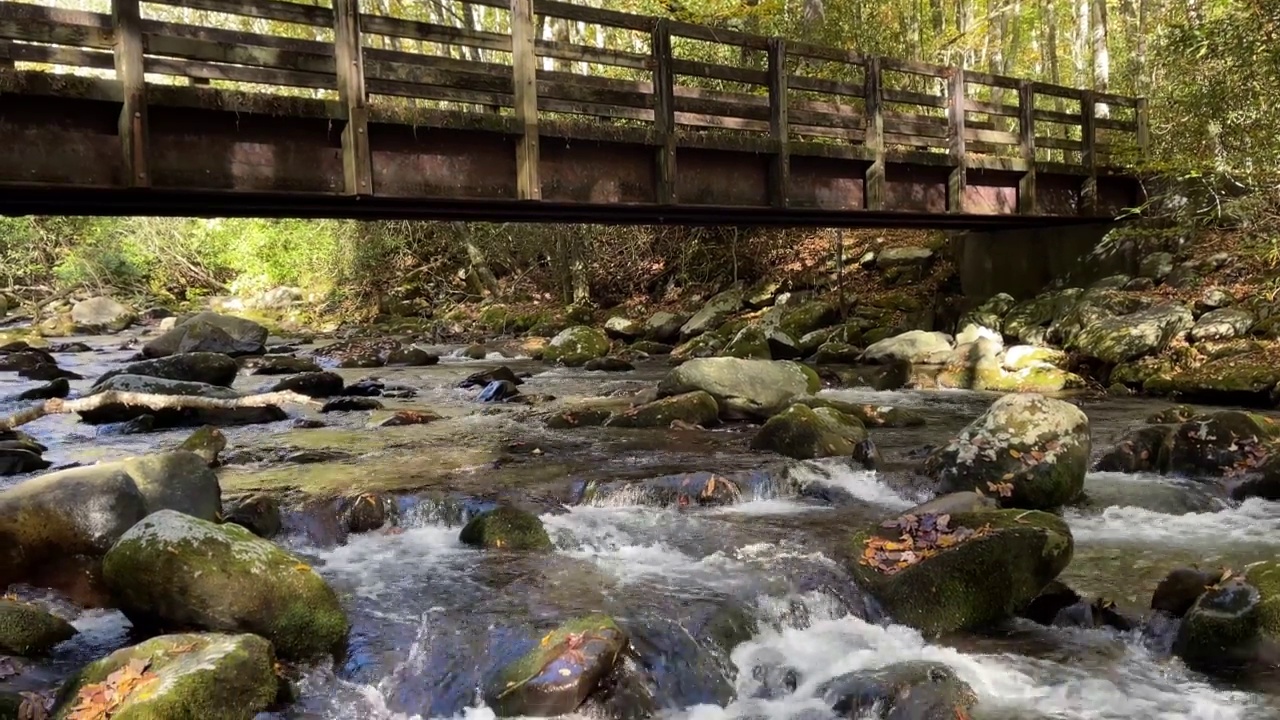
(151, 402)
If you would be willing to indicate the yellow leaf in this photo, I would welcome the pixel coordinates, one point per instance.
(1015, 453)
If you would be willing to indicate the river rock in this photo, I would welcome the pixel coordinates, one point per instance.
(116, 412)
(608, 364)
(1156, 266)
(750, 342)
(197, 367)
(623, 328)
(903, 691)
(651, 347)
(59, 388)
(1246, 379)
(411, 356)
(1121, 338)
(743, 389)
(1178, 592)
(101, 314)
(694, 408)
(506, 528)
(258, 513)
(664, 327)
(366, 513)
(975, 582)
(84, 510)
(1031, 450)
(556, 677)
(1233, 629)
(351, 404)
(194, 675)
(990, 314)
(174, 570)
(207, 442)
(914, 346)
(28, 631)
(1022, 357)
(1222, 324)
(20, 453)
(210, 332)
(898, 256)
(713, 314)
(703, 346)
(1144, 449)
(1223, 443)
(280, 365)
(955, 504)
(803, 433)
(869, 415)
(313, 384)
(357, 353)
(702, 488)
(575, 346)
(484, 377)
(799, 320)
(579, 417)
(837, 353)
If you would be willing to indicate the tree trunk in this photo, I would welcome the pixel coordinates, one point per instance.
(480, 266)
(1141, 77)
(1101, 51)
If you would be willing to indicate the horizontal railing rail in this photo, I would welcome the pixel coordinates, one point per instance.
(551, 68)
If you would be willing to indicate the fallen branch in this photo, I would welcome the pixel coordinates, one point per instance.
(151, 402)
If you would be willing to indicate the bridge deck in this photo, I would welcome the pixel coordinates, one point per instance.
(173, 110)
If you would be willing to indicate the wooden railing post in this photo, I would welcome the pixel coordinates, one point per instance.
(524, 75)
(1027, 146)
(1141, 117)
(873, 182)
(956, 182)
(1088, 153)
(126, 24)
(357, 159)
(664, 112)
(779, 127)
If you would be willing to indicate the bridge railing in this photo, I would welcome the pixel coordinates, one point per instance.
(598, 74)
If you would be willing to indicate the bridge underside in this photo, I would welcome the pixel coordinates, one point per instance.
(210, 157)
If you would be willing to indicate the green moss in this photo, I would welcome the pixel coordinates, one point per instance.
(807, 317)
(695, 408)
(837, 353)
(506, 528)
(576, 345)
(528, 686)
(976, 584)
(749, 342)
(28, 630)
(869, 415)
(813, 383)
(1266, 577)
(803, 433)
(199, 677)
(179, 571)
(1039, 379)
(702, 346)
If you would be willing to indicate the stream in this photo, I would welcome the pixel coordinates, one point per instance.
(714, 599)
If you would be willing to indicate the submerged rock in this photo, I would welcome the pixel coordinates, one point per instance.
(27, 630)
(59, 388)
(556, 677)
(1030, 450)
(20, 453)
(694, 408)
(608, 364)
(194, 675)
(743, 389)
(695, 488)
(902, 691)
(506, 528)
(575, 346)
(358, 353)
(979, 578)
(174, 570)
(803, 433)
(210, 332)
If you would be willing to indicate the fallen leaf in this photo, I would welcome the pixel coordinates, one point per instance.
(1015, 453)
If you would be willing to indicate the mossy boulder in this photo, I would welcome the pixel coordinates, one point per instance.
(750, 342)
(1121, 338)
(799, 320)
(195, 676)
(1222, 443)
(664, 327)
(804, 433)
(1222, 324)
(702, 346)
(1091, 307)
(1022, 357)
(207, 442)
(28, 630)
(1249, 378)
(506, 528)
(990, 314)
(1035, 448)
(558, 674)
(258, 513)
(976, 583)
(694, 408)
(1233, 629)
(576, 345)
(913, 346)
(743, 389)
(196, 367)
(837, 353)
(175, 571)
(210, 332)
(901, 691)
(713, 314)
(52, 519)
(869, 415)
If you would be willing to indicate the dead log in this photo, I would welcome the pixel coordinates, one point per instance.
(151, 402)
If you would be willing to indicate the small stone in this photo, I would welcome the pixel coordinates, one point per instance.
(350, 404)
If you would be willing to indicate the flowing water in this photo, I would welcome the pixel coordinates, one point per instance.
(712, 597)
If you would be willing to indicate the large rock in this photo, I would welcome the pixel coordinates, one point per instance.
(902, 691)
(1092, 307)
(623, 328)
(196, 367)
(799, 320)
(189, 676)
(114, 412)
(1248, 379)
(994, 564)
(664, 327)
(743, 389)
(279, 365)
(210, 332)
(83, 511)
(1156, 266)
(703, 346)
(575, 346)
(27, 630)
(762, 343)
(1229, 443)
(174, 570)
(556, 677)
(695, 408)
(1121, 338)
(506, 528)
(313, 384)
(898, 256)
(990, 314)
(713, 314)
(1223, 324)
(914, 346)
(1233, 629)
(101, 314)
(1031, 450)
(804, 433)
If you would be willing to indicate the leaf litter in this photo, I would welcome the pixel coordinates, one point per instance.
(923, 536)
(101, 700)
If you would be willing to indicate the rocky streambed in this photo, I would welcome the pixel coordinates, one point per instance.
(684, 557)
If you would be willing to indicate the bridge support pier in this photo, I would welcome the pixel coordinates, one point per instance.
(1022, 261)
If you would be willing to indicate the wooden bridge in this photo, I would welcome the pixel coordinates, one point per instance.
(274, 108)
